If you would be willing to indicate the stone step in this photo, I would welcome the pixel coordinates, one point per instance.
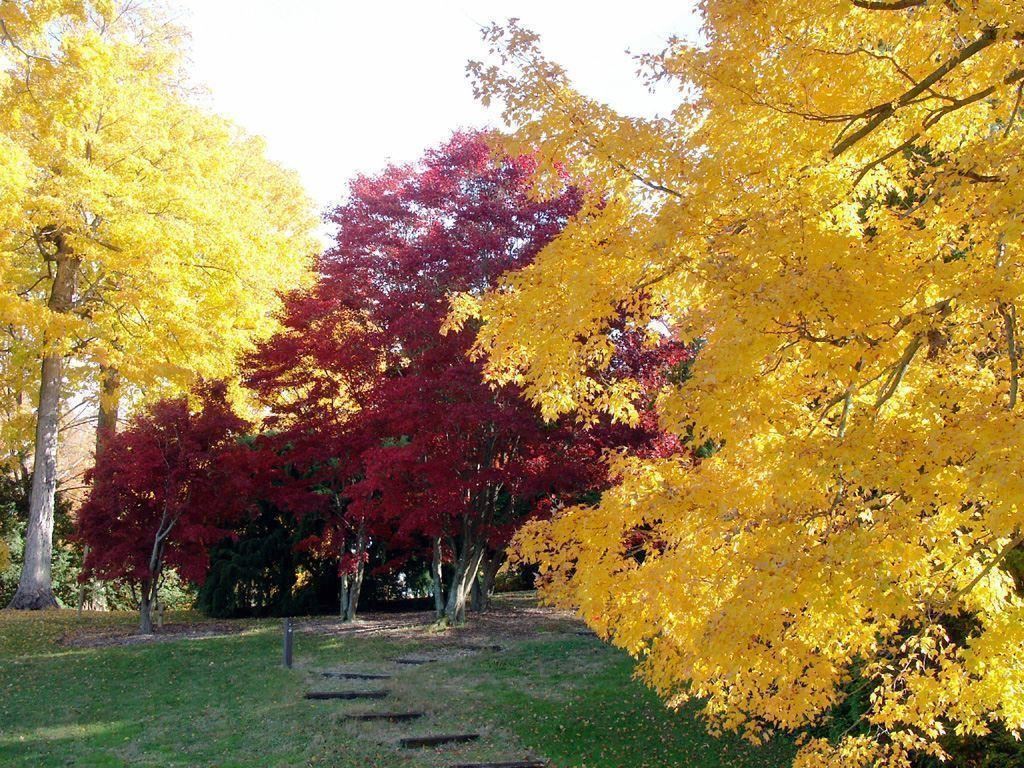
(394, 717)
(355, 676)
(414, 661)
(346, 694)
(436, 741)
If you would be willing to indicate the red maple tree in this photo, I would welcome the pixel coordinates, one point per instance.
(386, 424)
(164, 490)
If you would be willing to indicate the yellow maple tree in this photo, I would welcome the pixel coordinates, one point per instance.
(834, 211)
(144, 239)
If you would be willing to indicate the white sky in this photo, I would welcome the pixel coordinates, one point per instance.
(340, 87)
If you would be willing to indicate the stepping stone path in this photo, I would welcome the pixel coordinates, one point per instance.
(394, 717)
(412, 742)
(355, 676)
(347, 694)
(436, 741)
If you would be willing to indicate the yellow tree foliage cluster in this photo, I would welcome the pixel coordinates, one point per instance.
(142, 239)
(182, 230)
(834, 209)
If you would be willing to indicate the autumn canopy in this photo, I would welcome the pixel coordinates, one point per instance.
(742, 381)
(835, 210)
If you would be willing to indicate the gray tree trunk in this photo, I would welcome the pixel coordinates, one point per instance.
(35, 588)
(476, 602)
(343, 597)
(106, 428)
(146, 610)
(352, 585)
(438, 579)
(109, 407)
(151, 585)
(466, 568)
(355, 587)
(483, 585)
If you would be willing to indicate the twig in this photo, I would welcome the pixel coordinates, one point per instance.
(1009, 314)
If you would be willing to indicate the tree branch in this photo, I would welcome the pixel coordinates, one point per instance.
(894, 380)
(1009, 314)
(894, 5)
(1015, 542)
(883, 112)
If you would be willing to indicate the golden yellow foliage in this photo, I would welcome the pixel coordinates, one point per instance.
(178, 233)
(835, 209)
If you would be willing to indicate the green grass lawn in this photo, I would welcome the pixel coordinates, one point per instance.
(226, 701)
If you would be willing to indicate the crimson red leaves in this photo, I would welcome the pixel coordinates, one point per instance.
(383, 420)
(376, 423)
(172, 469)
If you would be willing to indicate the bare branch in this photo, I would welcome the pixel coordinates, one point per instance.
(1015, 542)
(879, 160)
(896, 377)
(1009, 314)
(894, 5)
(883, 112)
(1010, 79)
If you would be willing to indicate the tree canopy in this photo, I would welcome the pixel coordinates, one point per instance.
(385, 424)
(164, 491)
(144, 238)
(834, 209)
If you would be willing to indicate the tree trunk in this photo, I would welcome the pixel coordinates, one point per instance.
(150, 594)
(81, 586)
(106, 428)
(109, 407)
(343, 597)
(35, 588)
(476, 602)
(352, 584)
(437, 577)
(151, 584)
(483, 585)
(146, 610)
(466, 568)
(353, 593)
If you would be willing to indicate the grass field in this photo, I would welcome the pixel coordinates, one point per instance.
(225, 700)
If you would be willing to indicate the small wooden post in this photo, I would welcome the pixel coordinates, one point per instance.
(288, 643)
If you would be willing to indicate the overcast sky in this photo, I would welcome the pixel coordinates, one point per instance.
(339, 88)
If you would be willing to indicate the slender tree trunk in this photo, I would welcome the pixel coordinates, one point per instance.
(81, 586)
(35, 588)
(146, 609)
(151, 584)
(106, 428)
(466, 568)
(109, 407)
(150, 591)
(352, 585)
(353, 593)
(476, 602)
(437, 577)
(483, 586)
(343, 597)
